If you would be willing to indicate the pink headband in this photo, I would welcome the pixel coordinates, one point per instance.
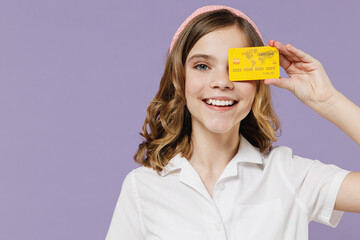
(209, 9)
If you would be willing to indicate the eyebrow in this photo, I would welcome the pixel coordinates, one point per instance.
(204, 56)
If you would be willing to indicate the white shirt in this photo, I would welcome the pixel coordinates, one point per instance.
(256, 197)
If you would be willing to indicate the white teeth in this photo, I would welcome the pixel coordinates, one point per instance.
(219, 102)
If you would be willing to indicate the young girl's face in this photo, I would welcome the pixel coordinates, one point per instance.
(216, 104)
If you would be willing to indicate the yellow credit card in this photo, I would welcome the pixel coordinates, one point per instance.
(253, 63)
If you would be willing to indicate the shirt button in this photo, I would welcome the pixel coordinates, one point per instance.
(221, 187)
(218, 226)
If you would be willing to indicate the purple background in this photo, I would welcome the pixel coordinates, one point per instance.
(76, 78)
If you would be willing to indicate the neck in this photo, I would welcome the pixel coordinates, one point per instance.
(213, 151)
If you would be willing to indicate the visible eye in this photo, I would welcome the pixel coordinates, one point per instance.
(201, 67)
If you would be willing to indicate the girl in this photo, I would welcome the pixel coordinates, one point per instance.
(209, 170)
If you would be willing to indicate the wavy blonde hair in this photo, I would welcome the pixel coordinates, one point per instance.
(167, 126)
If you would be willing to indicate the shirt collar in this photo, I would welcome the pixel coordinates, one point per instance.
(246, 153)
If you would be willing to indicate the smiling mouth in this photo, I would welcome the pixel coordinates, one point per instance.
(220, 103)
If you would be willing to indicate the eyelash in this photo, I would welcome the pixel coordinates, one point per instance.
(203, 65)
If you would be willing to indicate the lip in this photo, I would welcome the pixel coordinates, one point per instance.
(220, 98)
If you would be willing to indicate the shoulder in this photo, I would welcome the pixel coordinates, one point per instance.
(139, 172)
(142, 182)
(134, 178)
(284, 157)
(280, 152)
(142, 176)
(296, 168)
(143, 172)
(278, 155)
(134, 174)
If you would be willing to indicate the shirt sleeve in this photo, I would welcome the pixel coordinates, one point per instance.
(318, 189)
(126, 220)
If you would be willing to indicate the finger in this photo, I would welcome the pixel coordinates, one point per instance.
(283, 50)
(271, 43)
(285, 83)
(284, 62)
(300, 54)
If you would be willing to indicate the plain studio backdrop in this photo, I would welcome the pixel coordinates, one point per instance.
(77, 76)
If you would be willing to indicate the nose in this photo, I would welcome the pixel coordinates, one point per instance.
(221, 80)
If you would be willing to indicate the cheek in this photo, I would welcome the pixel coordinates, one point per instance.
(247, 90)
(193, 86)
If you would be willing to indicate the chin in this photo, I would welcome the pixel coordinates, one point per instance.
(220, 127)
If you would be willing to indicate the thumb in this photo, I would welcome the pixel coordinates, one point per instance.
(285, 83)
